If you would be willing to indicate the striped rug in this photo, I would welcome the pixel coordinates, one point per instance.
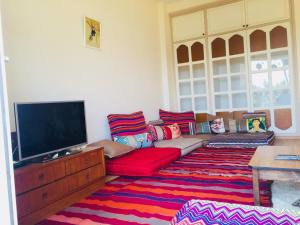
(219, 175)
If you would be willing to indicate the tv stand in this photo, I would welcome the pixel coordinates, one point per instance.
(42, 189)
(55, 155)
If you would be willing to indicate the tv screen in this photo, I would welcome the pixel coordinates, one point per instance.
(44, 128)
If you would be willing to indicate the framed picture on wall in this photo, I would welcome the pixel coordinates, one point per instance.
(92, 33)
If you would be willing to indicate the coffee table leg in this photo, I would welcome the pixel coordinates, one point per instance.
(256, 187)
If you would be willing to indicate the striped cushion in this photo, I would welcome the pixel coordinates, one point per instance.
(127, 124)
(202, 128)
(182, 119)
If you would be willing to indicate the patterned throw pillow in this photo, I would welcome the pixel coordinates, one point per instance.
(202, 128)
(126, 124)
(182, 119)
(138, 141)
(217, 126)
(238, 126)
(241, 126)
(164, 132)
(257, 124)
(232, 126)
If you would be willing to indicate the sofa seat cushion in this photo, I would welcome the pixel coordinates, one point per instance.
(185, 144)
(143, 162)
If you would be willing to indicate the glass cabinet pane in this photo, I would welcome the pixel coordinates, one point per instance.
(258, 41)
(200, 103)
(237, 65)
(280, 79)
(261, 99)
(219, 67)
(259, 62)
(183, 72)
(239, 100)
(236, 45)
(222, 101)
(186, 104)
(238, 82)
(197, 52)
(218, 48)
(278, 37)
(185, 88)
(281, 97)
(199, 70)
(199, 87)
(260, 81)
(221, 84)
(182, 54)
(279, 59)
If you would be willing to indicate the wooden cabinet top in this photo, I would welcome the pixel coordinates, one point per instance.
(37, 166)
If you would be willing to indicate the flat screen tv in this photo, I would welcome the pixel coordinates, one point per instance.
(49, 127)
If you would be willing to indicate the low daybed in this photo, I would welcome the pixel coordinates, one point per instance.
(236, 139)
(145, 161)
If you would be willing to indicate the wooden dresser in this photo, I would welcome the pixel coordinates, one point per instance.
(44, 188)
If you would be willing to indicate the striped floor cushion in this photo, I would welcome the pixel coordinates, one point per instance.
(203, 212)
(241, 140)
(127, 124)
(182, 119)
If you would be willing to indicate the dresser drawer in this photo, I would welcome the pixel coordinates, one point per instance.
(36, 178)
(41, 197)
(85, 177)
(87, 160)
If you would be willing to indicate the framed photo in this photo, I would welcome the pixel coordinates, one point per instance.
(92, 33)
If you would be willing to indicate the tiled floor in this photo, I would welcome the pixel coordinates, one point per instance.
(284, 194)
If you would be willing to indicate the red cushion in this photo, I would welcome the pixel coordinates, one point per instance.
(143, 162)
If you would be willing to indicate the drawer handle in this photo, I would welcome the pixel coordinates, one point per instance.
(45, 195)
(41, 177)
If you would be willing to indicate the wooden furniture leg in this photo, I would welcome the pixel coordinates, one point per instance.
(256, 187)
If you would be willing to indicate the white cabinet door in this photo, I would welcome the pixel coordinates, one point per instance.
(192, 77)
(188, 26)
(226, 18)
(265, 11)
(228, 71)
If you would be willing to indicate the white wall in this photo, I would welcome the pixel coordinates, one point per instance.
(7, 185)
(44, 40)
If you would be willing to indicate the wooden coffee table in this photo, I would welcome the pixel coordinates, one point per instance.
(266, 167)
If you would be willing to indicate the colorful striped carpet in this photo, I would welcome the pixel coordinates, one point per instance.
(219, 175)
